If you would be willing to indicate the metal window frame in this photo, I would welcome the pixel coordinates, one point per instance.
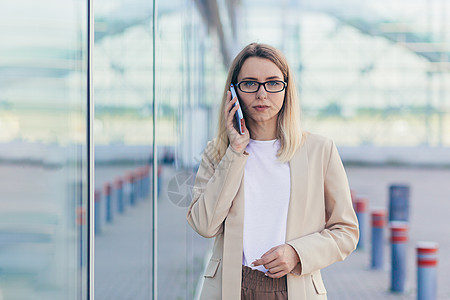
(91, 153)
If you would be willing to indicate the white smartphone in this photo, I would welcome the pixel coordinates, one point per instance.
(239, 116)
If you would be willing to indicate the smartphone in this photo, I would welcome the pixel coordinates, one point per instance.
(239, 116)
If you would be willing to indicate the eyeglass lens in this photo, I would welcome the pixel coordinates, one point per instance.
(253, 86)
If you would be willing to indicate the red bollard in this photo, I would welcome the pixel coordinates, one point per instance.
(97, 214)
(131, 187)
(378, 224)
(118, 185)
(426, 270)
(399, 244)
(361, 212)
(107, 188)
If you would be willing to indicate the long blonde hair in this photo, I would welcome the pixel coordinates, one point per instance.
(288, 122)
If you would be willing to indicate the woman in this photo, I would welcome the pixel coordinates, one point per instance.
(297, 217)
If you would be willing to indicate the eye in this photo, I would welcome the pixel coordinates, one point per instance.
(273, 83)
(249, 83)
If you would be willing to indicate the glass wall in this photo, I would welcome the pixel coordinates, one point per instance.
(373, 73)
(123, 134)
(370, 73)
(190, 74)
(43, 150)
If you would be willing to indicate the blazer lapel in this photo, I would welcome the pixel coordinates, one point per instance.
(233, 247)
(297, 214)
(299, 192)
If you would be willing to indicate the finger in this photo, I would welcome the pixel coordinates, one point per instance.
(266, 260)
(231, 115)
(230, 101)
(276, 275)
(270, 255)
(261, 260)
(270, 251)
(276, 269)
(228, 108)
(273, 264)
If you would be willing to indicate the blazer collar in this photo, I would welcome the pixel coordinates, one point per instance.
(299, 191)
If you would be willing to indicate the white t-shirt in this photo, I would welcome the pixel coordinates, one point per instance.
(267, 189)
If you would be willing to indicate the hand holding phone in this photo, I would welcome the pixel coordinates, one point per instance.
(239, 116)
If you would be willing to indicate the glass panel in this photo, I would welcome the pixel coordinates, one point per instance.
(43, 150)
(377, 71)
(123, 133)
(191, 72)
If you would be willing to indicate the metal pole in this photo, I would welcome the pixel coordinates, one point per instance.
(107, 189)
(399, 241)
(119, 195)
(97, 212)
(155, 167)
(90, 153)
(361, 208)
(426, 270)
(378, 224)
(399, 202)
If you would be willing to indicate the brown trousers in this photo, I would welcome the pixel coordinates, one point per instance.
(257, 286)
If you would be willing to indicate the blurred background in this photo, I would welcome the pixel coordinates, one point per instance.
(372, 75)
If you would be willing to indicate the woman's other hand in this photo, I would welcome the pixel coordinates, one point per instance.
(238, 142)
(279, 260)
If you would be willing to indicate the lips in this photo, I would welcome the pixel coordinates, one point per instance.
(260, 107)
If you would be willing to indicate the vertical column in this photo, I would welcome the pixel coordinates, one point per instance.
(107, 190)
(131, 188)
(399, 240)
(142, 176)
(361, 212)
(97, 209)
(378, 224)
(118, 184)
(426, 270)
(146, 181)
(399, 203)
(138, 183)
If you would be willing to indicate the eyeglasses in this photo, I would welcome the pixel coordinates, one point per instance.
(271, 86)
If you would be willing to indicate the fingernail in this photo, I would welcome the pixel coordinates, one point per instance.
(266, 274)
(252, 265)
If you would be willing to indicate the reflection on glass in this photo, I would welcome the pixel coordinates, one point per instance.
(43, 166)
(123, 126)
(191, 72)
(371, 73)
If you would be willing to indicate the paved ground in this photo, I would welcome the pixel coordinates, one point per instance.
(123, 250)
(353, 279)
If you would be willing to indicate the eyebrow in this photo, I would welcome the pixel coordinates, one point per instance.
(253, 78)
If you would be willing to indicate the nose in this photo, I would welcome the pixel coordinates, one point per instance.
(261, 92)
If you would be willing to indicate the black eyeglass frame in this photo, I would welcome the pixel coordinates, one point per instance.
(263, 84)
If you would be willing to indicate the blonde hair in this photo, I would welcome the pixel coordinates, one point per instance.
(288, 122)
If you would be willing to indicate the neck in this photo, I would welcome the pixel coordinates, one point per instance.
(263, 131)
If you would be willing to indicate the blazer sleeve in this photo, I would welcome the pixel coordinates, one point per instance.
(214, 190)
(340, 236)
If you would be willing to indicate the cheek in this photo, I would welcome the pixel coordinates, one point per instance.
(278, 102)
(244, 101)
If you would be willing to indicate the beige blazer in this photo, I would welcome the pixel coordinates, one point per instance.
(321, 225)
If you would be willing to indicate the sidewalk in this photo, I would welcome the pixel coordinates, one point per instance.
(429, 205)
(123, 251)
